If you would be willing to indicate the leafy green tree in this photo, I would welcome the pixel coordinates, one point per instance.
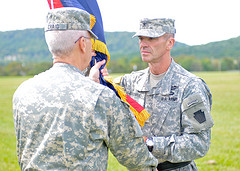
(227, 64)
(136, 63)
(190, 63)
(238, 63)
(216, 63)
(1, 71)
(36, 68)
(14, 69)
(196, 65)
(120, 65)
(207, 64)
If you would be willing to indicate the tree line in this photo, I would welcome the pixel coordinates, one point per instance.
(126, 65)
(19, 69)
(190, 63)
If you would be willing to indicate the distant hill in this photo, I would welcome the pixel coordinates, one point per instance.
(121, 44)
(220, 49)
(23, 45)
(29, 46)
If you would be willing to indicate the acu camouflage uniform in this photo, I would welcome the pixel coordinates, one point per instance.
(179, 105)
(65, 121)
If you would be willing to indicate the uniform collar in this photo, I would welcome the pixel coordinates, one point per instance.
(68, 66)
(165, 83)
(144, 83)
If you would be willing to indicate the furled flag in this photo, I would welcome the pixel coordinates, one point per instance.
(101, 50)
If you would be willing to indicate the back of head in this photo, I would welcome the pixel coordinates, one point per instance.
(61, 43)
(64, 26)
(155, 27)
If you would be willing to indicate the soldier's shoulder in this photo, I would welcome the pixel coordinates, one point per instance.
(191, 81)
(180, 73)
(136, 74)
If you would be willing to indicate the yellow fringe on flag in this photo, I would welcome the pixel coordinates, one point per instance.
(93, 21)
(140, 116)
(97, 44)
(101, 47)
(118, 88)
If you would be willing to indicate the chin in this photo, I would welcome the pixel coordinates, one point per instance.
(145, 59)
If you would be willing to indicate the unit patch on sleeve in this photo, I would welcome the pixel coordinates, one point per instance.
(196, 114)
(200, 116)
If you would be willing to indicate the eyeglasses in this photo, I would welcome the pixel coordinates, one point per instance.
(92, 39)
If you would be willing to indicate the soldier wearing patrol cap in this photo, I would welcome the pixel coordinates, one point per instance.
(179, 128)
(65, 121)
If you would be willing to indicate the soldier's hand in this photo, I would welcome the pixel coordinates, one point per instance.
(94, 72)
(145, 138)
(104, 71)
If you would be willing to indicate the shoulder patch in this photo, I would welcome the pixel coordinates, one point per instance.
(200, 116)
(196, 114)
(191, 101)
(189, 104)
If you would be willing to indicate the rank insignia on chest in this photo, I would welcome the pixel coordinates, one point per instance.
(173, 88)
(173, 99)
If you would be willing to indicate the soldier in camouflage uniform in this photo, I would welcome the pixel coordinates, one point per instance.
(65, 121)
(179, 128)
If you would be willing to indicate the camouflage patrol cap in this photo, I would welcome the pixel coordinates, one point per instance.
(68, 18)
(155, 27)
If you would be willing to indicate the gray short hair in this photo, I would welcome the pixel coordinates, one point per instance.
(168, 35)
(61, 43)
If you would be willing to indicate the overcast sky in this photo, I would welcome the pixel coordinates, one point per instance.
(197, 21)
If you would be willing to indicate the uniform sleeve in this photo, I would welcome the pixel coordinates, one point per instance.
(126, 82)
(196, 121)
(124, 134)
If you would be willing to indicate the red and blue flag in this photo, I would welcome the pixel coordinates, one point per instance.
(91, 6)
(100, 47)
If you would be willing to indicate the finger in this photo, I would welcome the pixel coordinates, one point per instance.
(93, 52)
(99, 64)
(104, 72)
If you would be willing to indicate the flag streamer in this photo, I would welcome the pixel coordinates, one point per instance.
(139, 112)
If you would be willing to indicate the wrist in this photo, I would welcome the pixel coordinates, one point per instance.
(94, 79)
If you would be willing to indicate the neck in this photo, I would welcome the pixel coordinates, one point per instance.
(161, 66)
(68, 60)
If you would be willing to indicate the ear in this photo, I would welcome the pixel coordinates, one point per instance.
(82, 44)
(170, 43)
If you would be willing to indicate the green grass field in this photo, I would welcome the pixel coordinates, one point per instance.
(225, 147)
